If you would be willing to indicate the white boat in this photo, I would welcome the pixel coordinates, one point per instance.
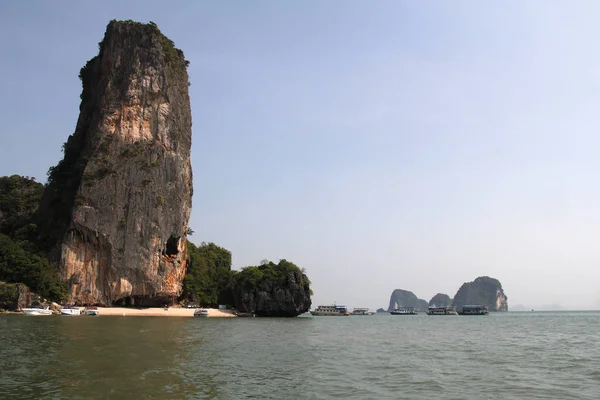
(70, 310)
(362, 311)
(326, 311)
(91, 311)
(404, 310)
(201, 312)
(37, 311)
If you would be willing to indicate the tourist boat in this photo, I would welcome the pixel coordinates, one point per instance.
(37, 311)
(433, 310)
(70, 310)
(201, 312)
(474, 309)
(91, 310)
(362, 311)
(326, 311)
(404, 310)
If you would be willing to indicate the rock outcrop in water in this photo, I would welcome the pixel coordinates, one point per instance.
(401, 297)
(116, 209)
(271, 290)
(483, 290)
(440, 300)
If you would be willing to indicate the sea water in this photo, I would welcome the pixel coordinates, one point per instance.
(528, 355)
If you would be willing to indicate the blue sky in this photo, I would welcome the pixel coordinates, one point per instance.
(379, 145)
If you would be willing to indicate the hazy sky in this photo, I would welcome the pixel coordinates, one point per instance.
(379, 145)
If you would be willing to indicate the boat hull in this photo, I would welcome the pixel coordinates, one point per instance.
(69, 312)
(328, 314)
(362, 311)
(91, 312)
(36, 311)
(441, 311)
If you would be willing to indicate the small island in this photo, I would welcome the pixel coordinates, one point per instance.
(110, 227)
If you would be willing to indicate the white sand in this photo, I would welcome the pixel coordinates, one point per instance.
(162, 312)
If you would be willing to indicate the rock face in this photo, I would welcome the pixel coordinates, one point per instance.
(401, 297)
(116, 209)
(440, 300)
(483, 290)
(286, 296)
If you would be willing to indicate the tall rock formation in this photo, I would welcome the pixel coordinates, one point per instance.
(440, 300)
(271, 290)
(116, 209)
(401, 297)
(483, 290)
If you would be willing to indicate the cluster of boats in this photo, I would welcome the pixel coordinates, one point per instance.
(67, 310)
(335, 310)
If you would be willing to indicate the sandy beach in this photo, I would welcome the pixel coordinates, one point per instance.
(162, 312)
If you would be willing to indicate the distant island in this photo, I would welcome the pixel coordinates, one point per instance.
(483, 290)
(402, 297)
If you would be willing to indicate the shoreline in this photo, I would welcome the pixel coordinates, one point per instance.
(151, 312)
(162, 312)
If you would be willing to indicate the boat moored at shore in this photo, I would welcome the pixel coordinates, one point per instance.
(70, 311)
(37, 311)
(201, 312)
(404, 310)
(474, 309)
(330, 311)
(433, 310)
(91, 310)
(245, 314)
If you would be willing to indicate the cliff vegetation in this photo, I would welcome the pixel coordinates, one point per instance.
(271, 290)
(207, 275)
(22, 260)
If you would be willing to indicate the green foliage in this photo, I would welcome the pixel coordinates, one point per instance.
(20, 266)
(160, 201)
(21, 260)
(269, 275)
(208, 273)
(19, 199)
(8, 295)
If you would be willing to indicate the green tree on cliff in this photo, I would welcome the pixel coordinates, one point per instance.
(21, 261)
(268, 274)
(207, 274)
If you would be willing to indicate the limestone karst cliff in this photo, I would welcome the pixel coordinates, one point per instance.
(483, 290)
(116, 209)
(401, 297)
(271, 290)
(440, 300)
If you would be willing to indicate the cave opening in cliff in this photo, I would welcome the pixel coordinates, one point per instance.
(171, 248)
